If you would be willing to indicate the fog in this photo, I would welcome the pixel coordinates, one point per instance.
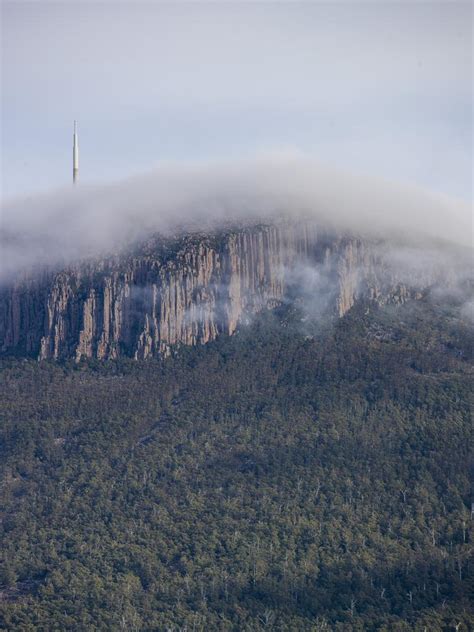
(84, 221)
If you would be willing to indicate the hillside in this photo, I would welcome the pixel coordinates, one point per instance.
(293, 476)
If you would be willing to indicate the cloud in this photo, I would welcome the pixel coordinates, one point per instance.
(85, 221)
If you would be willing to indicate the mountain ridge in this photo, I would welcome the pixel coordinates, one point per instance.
(189, 289)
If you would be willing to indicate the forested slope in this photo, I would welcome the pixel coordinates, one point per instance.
(291, 477)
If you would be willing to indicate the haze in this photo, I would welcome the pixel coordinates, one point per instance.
(89, 220)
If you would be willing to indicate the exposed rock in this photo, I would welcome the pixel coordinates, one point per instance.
(188, 292)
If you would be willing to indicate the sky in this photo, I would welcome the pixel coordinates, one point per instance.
(383, 89)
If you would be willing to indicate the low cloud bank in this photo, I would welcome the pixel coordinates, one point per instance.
(84, 221)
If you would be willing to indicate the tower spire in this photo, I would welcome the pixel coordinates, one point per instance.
(75, 155)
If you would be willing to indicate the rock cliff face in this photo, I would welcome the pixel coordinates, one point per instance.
(182, 291)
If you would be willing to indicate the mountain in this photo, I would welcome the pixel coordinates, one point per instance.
(189, 289)
(265, 426)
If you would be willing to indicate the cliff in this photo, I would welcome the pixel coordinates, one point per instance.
(185, 290)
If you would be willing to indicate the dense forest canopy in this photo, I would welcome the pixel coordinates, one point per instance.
(292, 477)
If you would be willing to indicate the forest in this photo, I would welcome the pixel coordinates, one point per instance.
(297, 476)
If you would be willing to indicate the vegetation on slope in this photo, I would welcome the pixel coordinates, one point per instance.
(287, 478)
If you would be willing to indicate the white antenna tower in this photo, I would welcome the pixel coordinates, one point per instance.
(75, 155)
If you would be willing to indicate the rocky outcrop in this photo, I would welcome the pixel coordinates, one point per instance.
(182, 291)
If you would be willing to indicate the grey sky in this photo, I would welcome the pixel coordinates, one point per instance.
(380, 88)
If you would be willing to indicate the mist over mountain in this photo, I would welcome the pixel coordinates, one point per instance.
(236, 397)
(84, 221)
(184, 254)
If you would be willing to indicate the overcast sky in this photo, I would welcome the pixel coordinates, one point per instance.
(377, 88)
